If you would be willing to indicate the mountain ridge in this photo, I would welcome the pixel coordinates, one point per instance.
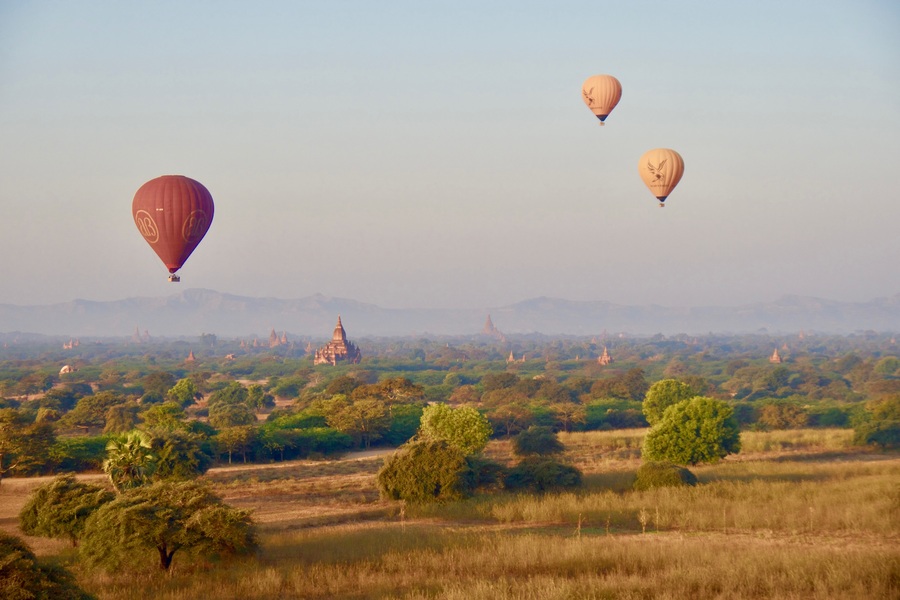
(196, 310)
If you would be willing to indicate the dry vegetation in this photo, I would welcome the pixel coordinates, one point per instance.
(797, 515)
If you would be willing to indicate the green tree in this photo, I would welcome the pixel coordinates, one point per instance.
(60, 508)
(662, 395)
(258, 399)
(464, 427)
(537, 441)
(694, 431)
(184, 392)
(426, 471)
(782, 415)
(121, 417)
(222, 416)
(236, 439)
(162, 519)
(90, 411)
(365, 420)
(542, 474)
(24, 577)
(24, 445)
(168, 415)
(569, 414)
(129, 460)
(180, 454)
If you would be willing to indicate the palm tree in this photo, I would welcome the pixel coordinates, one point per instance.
(129, 462)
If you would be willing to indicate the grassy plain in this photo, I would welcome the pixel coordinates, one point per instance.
(798, 514)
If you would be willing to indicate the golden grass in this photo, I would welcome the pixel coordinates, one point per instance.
(797, 515)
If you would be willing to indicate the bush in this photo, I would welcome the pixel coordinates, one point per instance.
(537, 441)
(542, 475)
(654, 474)
(426, 471)
(23, 577)
(884, 434)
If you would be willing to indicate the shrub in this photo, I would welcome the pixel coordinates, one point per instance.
(22, 576)
(884, 434)
(426, 471)
(537, 441)
(542, 475)
(654, 474)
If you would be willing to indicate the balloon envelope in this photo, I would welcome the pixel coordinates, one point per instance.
(173, 213)
(661, 169)
(601, 93)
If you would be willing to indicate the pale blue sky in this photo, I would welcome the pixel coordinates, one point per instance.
(438, 154)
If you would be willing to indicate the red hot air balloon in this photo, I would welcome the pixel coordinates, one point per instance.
(173, 213)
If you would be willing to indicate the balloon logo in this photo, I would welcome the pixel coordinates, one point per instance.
(661, 169)
(601, 93)
(173, 213)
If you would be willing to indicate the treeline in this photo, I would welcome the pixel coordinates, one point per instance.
(273, 407)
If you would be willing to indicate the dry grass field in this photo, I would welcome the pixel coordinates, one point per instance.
(798, 514)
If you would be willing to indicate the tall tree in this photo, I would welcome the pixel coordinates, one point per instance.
(162, 519)
(23, 576)
(694, 431)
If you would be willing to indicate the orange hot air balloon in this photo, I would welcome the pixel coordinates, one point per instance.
(601, 93)
(661, 169)
(173, 213)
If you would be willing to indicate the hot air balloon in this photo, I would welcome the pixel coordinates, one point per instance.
(173, 213)
(601, 93)
(661, 169)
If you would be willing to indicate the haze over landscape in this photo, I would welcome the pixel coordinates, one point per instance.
(440, 157)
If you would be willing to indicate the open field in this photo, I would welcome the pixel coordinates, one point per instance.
(797, 515)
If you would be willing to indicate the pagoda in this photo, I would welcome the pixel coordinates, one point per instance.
(339, 349)
(605, 358)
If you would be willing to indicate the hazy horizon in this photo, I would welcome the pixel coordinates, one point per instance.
(440, 156)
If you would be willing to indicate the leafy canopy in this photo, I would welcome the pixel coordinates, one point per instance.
(694, 431)
(464, 428)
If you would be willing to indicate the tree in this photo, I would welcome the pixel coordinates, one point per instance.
(165, 518)
(180, 455)
(464, 427)
(24, 577)
(168, 415)
(537, 441)
(541, 474)
(129, 460)
(184, 392)
(24, 445)
(121, 417)
(60, 508)
(426, 471)
(90, 411)
(222, 415)
(568, 414)
(662, 395)
(782, 415)
(236, 439)
(693, 431)
(364, 420)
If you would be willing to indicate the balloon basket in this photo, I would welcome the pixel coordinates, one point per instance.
(174, 278)
(662, 205)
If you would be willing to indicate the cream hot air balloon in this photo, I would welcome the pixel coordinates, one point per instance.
(601, 93)
(661, 169)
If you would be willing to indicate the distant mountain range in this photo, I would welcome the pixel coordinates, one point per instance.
(195, 311)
